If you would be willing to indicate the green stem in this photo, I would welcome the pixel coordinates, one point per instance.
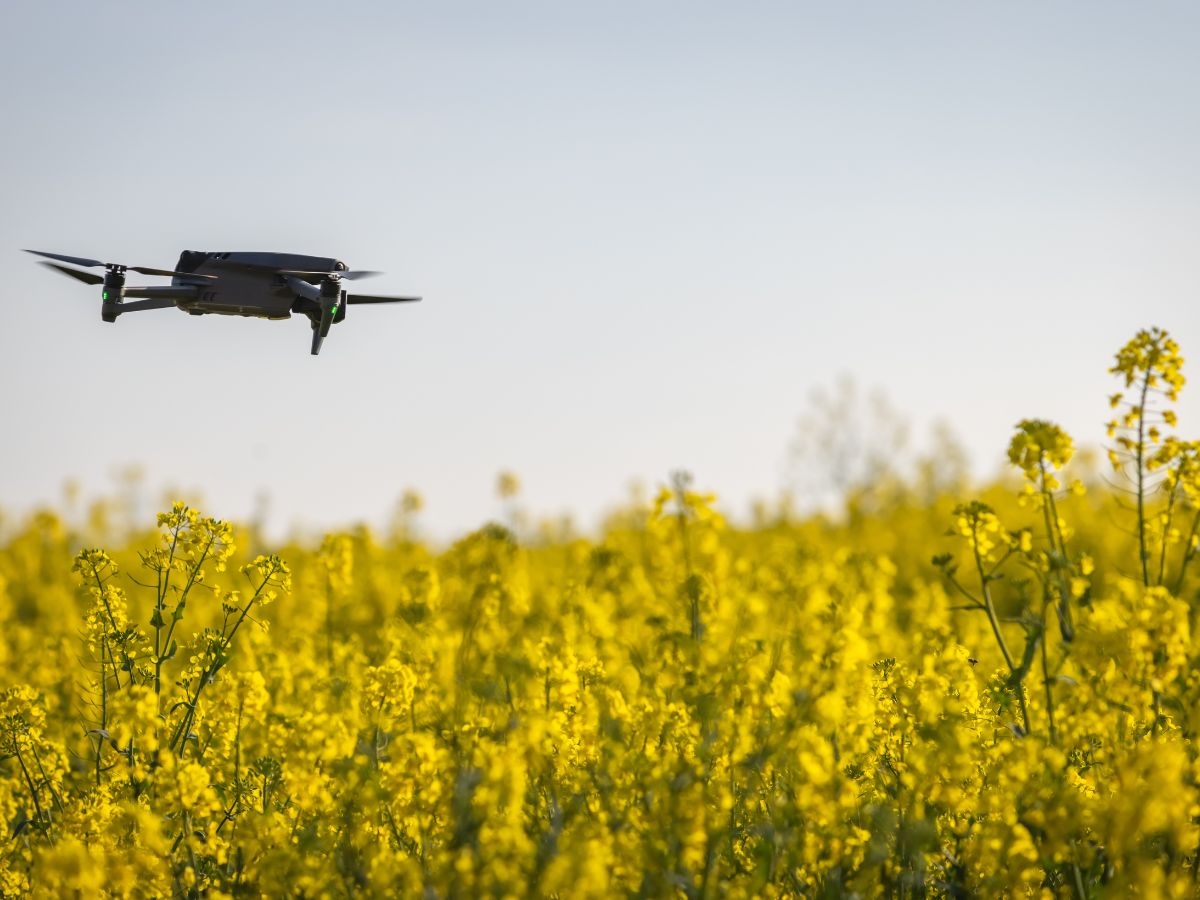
(111, 621)
(1058, 543)
(1143, 553)
(1046, 682)
(162, 652)
(37, 758)
(1049, 512)
(1080, 891)
(182, 730)
(37, 804)
(693, 598)
(164, 583)
(1189, 551)
(237, 741)
(103, 707)
(990, 608)
(1162, 556)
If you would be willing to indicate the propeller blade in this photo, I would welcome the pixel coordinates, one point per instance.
(85, 277)
(93, 263)
(349, 276)
(373, 298)
(168, 273)
(77, 260)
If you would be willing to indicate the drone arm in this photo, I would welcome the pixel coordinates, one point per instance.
(165, 292)
(303, 288)
(139, 305)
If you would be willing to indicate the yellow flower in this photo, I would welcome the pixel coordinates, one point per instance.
(1038, 449)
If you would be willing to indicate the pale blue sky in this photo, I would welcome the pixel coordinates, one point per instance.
(644, 232)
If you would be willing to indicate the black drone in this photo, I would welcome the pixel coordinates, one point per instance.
(266, 285)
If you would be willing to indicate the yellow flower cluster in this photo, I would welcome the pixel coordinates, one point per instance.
(677, 707)
(1152, 358)
(1038, 446)
(979, 524)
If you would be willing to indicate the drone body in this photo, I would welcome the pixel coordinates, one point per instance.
(264, 285)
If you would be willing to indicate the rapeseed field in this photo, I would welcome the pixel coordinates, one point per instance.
(933, 695)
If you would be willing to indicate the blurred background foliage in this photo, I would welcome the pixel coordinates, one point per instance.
(884, 690)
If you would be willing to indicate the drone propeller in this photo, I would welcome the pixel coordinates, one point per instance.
(85, 277)
(77, 260)
(330, 300)
(94, 263)
(332, 276)
(374, 298)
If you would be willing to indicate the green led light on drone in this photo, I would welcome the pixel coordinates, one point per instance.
(106, 295)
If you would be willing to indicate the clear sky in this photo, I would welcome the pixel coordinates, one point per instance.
(644, 232)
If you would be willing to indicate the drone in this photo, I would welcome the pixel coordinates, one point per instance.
(264, 285)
